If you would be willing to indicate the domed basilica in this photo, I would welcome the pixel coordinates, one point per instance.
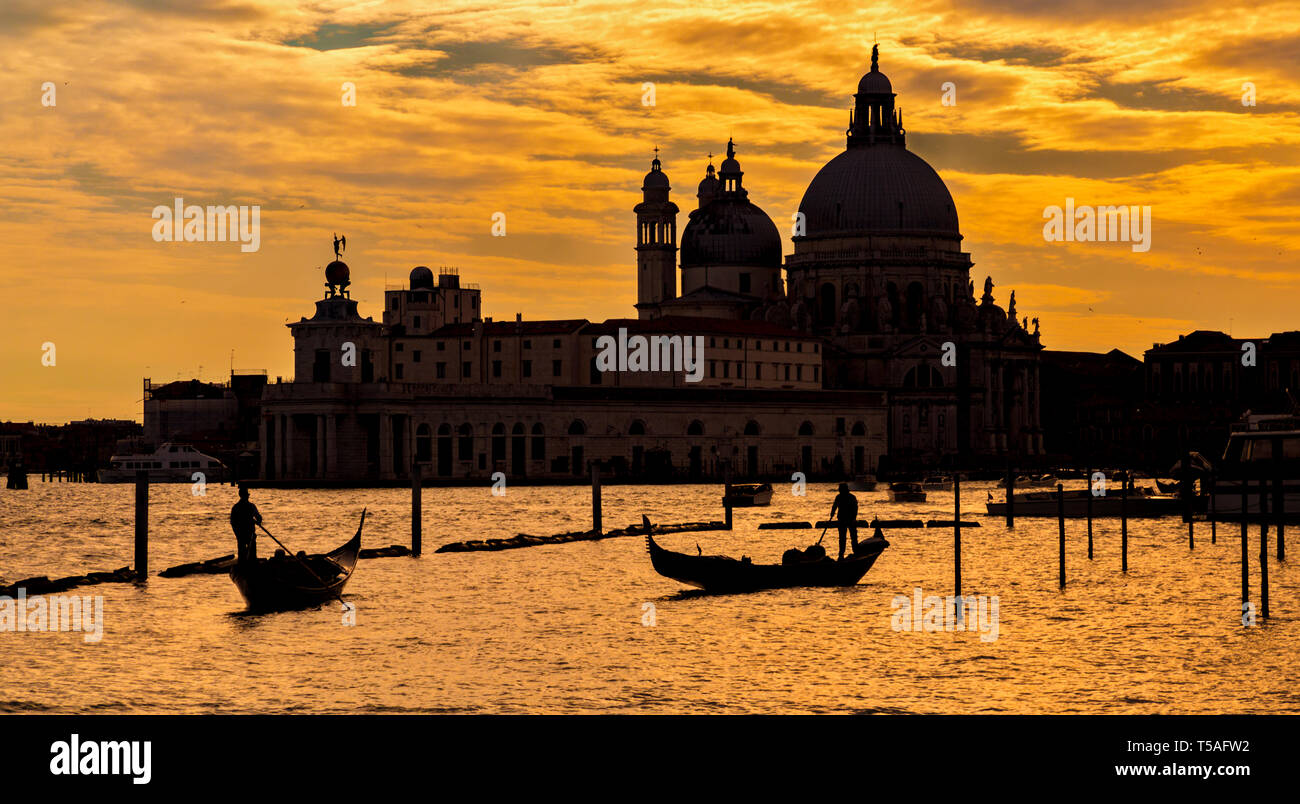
(878, 271)
(870, 352)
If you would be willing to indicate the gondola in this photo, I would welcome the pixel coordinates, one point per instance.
(283, 583)
(725, 574)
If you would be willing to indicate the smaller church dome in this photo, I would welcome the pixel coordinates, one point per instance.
(656, 179)
(421, 278)
(875, 82)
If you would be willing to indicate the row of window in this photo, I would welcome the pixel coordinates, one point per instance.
(637, 428)
(467, 369)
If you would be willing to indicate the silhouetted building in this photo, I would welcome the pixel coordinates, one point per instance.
(1204, 382)
(874, 351)
(1089, 404)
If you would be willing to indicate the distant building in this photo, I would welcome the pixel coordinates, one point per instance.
(1199, 385)
(195, 411)
(1089, 404)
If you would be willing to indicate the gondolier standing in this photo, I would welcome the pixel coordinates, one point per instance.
(847, 506)
(244, 519)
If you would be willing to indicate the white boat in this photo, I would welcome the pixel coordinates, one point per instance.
(1251, 450)
(170, 463)
(937, 483)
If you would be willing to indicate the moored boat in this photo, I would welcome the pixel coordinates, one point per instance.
(170, 463)
(283, 582)
(744, 495)
(863, 483)
(937, 483)
(1143, 501)
(726, 574)
(1048, 480)
(906, 492)
(1262, 448)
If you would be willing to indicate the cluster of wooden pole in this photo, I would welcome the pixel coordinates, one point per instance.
(1278, 511)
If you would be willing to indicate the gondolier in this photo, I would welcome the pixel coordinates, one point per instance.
(244, 519)
(847, 506)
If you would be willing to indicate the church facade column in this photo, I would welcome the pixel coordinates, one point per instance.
(290, 470)
(331, 445)
(386, 446)
(321, 445)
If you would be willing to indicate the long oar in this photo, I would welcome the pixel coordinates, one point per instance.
(305, 565)
(828, 524)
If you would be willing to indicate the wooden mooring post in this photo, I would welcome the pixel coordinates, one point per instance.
(1060, 520)
(596, 525)
(1185, 491)
(1213, 511)
(1123, 525)
(417, 510)
(726, 494)
(1088, 505)
(1279, 499)
(956, 535)
(142, 525)
(1245, 553)
(1011, 495)
(1263, 548)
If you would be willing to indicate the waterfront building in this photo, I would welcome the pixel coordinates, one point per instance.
(872, 352)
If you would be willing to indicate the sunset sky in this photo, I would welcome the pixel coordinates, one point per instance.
(535, 109)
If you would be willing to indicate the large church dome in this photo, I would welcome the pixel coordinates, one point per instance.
(877, 186)
(730, 231)
(878, 190)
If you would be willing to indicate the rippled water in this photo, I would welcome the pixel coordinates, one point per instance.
(558, 629)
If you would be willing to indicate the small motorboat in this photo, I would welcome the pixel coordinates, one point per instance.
(906, 492)
(1048, 480)
(937, 483)
(287, 582)
(726, 574)
(863, 483)
(745, 495)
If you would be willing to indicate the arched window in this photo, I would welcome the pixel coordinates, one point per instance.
(915, 300)
(637, 428)
(423, 444)
(696, 428)
(577, 427)
(539, 442)
(859, 429)
(465, 443)
(752, 428)
(806, 429)
(828, 307)
(498, 442)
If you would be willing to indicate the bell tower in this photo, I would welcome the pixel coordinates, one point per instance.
(656, 243)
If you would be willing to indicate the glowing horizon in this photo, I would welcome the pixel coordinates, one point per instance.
(535, 109)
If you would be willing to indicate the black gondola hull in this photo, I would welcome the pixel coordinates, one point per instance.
(284, 584)
(723, 574)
